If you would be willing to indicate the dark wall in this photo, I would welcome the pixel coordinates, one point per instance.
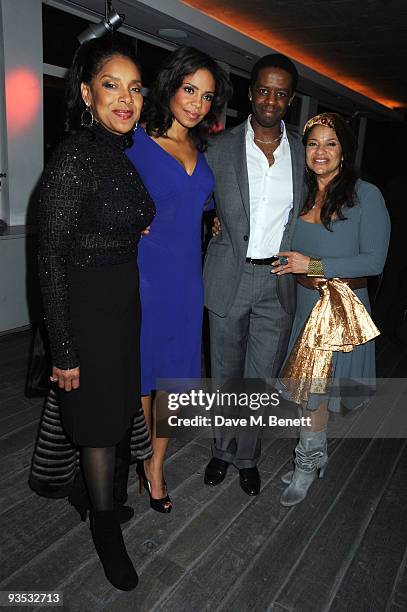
(384, 156)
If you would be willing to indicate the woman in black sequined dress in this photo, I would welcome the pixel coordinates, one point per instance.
(93, 206)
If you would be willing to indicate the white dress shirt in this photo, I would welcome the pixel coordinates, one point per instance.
(271, 195)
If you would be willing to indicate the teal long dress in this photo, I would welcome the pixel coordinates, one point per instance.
(355, 247)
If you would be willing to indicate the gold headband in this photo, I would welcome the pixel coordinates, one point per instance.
(326, 119)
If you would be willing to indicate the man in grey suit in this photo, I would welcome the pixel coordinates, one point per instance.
(258, 169)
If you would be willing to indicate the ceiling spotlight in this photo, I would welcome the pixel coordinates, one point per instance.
(110, 24)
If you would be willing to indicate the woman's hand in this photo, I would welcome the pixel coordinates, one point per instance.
(296, 263)
(66, 379)
(146, 231)
(216, 227)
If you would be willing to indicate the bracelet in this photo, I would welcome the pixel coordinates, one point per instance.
(315, 267)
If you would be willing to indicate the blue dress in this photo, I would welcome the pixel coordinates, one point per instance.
(170, 263)
(355, 247)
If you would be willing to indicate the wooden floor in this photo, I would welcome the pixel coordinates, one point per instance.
(344, 549)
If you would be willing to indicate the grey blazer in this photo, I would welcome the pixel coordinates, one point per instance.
(226, 254)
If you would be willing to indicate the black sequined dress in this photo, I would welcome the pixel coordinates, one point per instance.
(93, 206)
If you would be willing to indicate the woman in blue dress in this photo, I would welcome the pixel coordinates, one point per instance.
(341, 238)
(168, 153)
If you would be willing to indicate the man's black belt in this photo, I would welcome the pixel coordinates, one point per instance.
(262, 262)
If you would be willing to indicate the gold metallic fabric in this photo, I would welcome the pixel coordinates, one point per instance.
(338, 322)
(309, 282)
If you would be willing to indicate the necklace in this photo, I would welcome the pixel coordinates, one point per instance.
(274, 139)
(318, 204)
(268, 141)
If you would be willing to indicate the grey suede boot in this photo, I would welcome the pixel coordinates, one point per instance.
(322, 462)
(311, 458)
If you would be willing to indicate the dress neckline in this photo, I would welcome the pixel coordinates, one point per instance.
(320, 224)
(309, 222)
(174, 158)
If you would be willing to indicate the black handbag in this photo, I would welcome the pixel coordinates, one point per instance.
(39, 369)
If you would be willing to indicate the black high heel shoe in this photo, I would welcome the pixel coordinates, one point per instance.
(164, 504)
(79, 499)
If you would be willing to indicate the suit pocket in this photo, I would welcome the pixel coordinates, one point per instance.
(217, 249)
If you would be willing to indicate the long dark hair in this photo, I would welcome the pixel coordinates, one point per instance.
(87, 62)
(340, 192)
(182, 62)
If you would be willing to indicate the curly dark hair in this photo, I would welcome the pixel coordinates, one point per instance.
(87, 61)
(340, 192)
(182, 62)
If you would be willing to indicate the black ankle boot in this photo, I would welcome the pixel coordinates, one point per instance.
(78, 498)
(109, 544)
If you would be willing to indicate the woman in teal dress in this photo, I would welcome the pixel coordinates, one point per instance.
(341, 238)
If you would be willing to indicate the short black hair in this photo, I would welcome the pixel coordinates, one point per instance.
(87, 61)
(275, 60)
(180, 63)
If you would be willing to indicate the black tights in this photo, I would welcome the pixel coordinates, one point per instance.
(99, 466)
(98, 470)
(121, 475)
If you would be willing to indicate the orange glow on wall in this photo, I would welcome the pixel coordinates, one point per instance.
(256, 30)
(22, 99)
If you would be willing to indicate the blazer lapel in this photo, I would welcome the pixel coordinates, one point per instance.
(297, 165)
(238, 154)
